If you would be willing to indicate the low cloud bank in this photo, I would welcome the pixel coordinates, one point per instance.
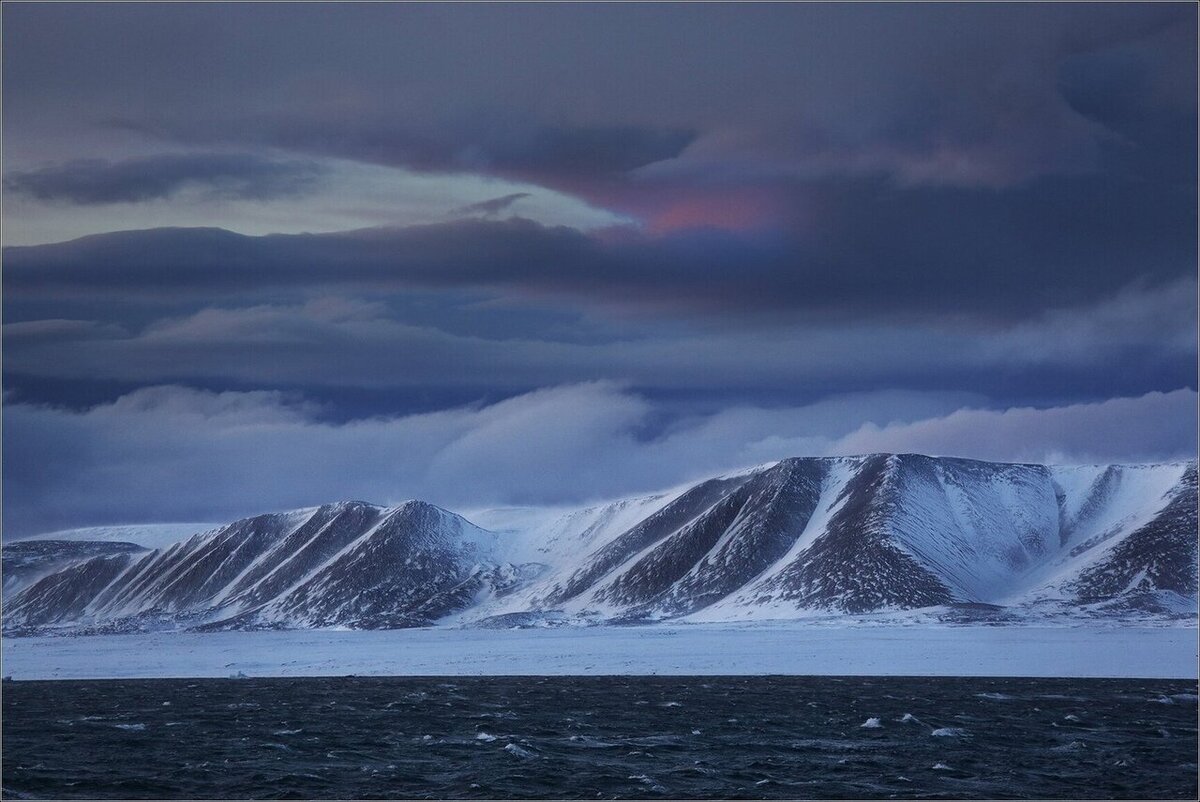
(174, 453)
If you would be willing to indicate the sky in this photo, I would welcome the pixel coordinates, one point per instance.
(265, 256)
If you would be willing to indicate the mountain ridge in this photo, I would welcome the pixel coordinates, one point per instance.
(800, 536)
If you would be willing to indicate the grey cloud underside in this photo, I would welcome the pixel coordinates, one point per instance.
(510, 146)
(98, 181)
(293, 346)
(968, 94)
(844, 535)
(875, 250)
(974, 165)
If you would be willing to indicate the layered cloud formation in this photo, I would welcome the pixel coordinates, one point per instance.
(97, 181)
(381, 242)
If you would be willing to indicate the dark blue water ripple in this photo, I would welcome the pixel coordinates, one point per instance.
(581, 737)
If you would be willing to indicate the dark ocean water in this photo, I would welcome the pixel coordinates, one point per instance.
(645, 737)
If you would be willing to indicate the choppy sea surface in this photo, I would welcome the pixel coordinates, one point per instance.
(588, 737)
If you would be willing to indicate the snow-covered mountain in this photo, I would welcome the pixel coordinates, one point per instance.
(345, 564)
(800, 537)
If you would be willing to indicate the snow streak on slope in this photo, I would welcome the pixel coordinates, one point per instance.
(755, 599)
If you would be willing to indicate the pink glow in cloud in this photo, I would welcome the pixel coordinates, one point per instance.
(740, 209)
(665, 207)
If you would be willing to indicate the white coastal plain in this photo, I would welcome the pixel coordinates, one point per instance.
(794, 648)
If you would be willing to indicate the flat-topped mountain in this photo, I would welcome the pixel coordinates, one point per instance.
(804, 536)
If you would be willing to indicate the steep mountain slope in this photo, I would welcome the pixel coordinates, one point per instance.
(911, 531)
(858, 556)
(409, 566)
(862, 534)
(1122, 552)
(24, 562)
(799, 537)
(346, 564)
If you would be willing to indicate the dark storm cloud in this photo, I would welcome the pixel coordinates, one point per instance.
(98, 181)
(500, 145)
(962, 94)
(969, 98)
(1145, 97)
(953, 210)
(872, 250)
(1145, 338)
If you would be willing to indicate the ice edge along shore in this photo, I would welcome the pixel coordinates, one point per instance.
(688, 649)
